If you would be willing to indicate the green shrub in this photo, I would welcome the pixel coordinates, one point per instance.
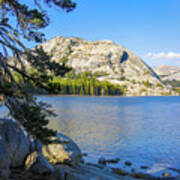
(133, 81)
(148, 72)
(147, 84)
(159, 85)
(177, 90)
(142, 90)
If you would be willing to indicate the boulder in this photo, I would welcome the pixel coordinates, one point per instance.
(85, 172)
(64, 172)
(4, 162)
(36, 145)
(15, 142)
(38, 164)
(58, 174)
(65, 151)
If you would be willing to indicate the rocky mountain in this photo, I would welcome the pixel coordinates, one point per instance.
(168, 72)
(110, 62)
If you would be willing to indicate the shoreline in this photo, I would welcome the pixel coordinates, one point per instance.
(88, 171)
(111, 96)
(61, 160)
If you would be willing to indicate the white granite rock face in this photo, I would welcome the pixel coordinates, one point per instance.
(110, 61)
(168, 72)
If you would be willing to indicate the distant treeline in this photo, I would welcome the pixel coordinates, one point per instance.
(78, 84)
(84, 84)
(173, 83)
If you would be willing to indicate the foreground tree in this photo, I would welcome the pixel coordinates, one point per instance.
(18, 21)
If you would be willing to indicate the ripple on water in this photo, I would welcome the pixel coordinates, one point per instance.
(142, 130)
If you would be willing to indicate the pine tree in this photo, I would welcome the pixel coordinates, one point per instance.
(27, 24)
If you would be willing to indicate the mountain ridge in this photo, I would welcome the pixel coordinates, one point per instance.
(109, 61)
(167, 72)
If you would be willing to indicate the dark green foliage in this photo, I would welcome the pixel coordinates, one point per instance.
(133, 81)
(159, 85)
(173, 83)
(36, 119)
(83, 84)
(14, 76)
(147, 84)
(75, 84)
(177, 90)
(148, 72)
(64, 60)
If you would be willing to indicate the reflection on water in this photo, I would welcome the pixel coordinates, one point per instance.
(143, 130)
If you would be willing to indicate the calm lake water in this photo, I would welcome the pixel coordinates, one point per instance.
(142, 130)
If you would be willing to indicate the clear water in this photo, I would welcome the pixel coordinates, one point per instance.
(142, 130)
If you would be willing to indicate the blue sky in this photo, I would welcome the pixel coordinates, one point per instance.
(149, 28)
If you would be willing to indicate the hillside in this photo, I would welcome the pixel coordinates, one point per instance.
(109, 62)
(168, 73)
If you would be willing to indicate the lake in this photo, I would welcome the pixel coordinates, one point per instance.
(142, 130)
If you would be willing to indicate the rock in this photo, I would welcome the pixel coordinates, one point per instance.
(64, 152)
(144, 167)
(91, 172)
(167, 72)
(110, 61)
(166, 174)
(38, 164)
(68, 173)
(4, 163)
(15, 141)
(177, 178)
(77, 176)
(102, 161)
(110, 161)
(141, 175)
(120, 171)
(58, 174)
(113, 161)
(133, 170)
(85, 154)
(36, 145)
(127, 163)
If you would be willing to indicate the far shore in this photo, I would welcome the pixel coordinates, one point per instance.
(70, 95)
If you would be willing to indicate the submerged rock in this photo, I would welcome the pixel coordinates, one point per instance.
(128, 163)
(120, 172)
(102, 161)
(141, 175)
(144, 167)
(64, 152)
